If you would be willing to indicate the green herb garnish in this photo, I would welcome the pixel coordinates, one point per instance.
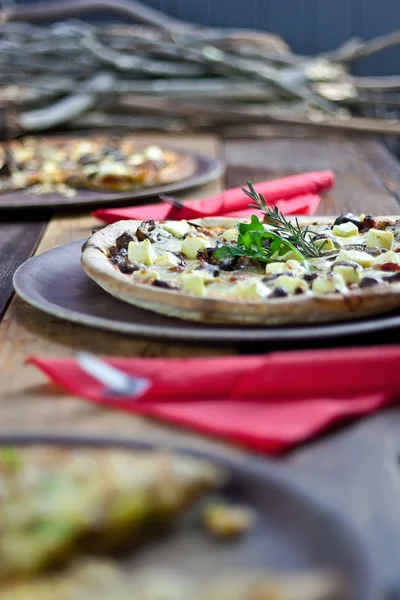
(259, 243)
(255, 241)
(291, 231)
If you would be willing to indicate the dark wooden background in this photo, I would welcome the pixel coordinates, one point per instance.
(308, 26)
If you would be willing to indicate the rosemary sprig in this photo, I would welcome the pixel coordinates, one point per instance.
(255, 241)
(292, 232)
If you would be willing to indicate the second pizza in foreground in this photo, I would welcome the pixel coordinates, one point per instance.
(269, 271)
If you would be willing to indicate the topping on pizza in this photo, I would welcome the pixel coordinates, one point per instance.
(63, 165)
(263, 257)
(287, 270)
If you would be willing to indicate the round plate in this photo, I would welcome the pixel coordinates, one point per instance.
(55, 283)
(207, 169)
(293, 532)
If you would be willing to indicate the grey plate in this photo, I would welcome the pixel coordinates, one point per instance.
(55, 283)
(207, 169)
(293, 530)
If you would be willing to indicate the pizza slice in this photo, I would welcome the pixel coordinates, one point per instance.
(56, 501)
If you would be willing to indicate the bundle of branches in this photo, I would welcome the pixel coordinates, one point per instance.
(169, 74)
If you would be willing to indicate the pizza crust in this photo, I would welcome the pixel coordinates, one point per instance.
(299, 309)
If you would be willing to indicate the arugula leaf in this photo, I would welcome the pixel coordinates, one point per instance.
(255, 241)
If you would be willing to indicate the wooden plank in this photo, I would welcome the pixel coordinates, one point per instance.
(27, 403)
(17, 242)
(358, 184)
(356, 472)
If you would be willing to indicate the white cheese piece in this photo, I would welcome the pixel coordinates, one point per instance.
(387, 257)
(49, 168)
(177, 228)
(153, 153)
(379, 239)
(324, 245)
(144, 274)
(83, 148)
(361, 258)
(192, 244)
(230, 235)
(112, 168)
(349, 273)
(167, 259)
(329, 284)
(345, 229)
(194, 283)
(207, 276)
(290, 284)
(142, 252)
(290, 266)
(137, 159)
(275, 267)
(294, 266)
(249, 289)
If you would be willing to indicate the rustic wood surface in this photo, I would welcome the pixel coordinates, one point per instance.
(354, 469)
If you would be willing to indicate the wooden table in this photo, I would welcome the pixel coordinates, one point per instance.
(356, 470)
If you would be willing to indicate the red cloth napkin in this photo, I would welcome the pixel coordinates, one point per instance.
(293, 195)
(268, 403)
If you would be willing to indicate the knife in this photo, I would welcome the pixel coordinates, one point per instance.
(116, 382)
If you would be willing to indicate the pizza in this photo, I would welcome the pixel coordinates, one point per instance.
(59, 502)
(62, 165)
(103, 580)
(272, 271)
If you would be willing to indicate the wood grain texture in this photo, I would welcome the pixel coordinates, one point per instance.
(359, 166)
(17, 242)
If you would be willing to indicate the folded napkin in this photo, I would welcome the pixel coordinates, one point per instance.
(267, 403)
(293, 195)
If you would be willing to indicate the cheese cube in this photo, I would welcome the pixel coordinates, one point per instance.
(192, 244)
(294, 266)
(142, 252)
(153, 153)
(291, 266)
(361, 258)
(387, 257)
(167, 259)
(137, 159)
(275, 267)
(329, 284)
(177, 228)
(345, 229)
(231, 235)
(249, 289)
(145, 274)
(290, 284)
(324, 245)
(379, 239)
(194, 283)
(350, 274)
(207, 276)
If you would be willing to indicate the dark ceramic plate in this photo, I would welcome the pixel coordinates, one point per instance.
(293, 532)
(207, 169)
(54, 282)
